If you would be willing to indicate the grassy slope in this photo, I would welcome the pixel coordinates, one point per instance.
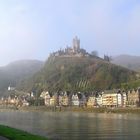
(15, 134)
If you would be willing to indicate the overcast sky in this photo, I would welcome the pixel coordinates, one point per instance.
(31, 29)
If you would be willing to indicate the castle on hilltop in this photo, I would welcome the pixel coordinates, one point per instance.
(74, 51)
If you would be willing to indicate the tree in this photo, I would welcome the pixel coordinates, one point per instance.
(107, 58)
(83, 51)
(94, 53)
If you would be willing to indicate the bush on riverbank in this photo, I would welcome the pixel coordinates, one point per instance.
(15, 134)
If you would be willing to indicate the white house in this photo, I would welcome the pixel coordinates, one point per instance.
(75, 100)
(11, 88)
(99, 100)
(46, 96)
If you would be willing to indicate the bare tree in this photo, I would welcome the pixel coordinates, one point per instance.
(107, 58)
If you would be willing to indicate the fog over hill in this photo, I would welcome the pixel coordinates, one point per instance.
(14, 72)
(128, 61)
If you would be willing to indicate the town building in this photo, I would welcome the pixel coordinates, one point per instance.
(113, 98)
(98, 100)
(65, 100)
(75, 100)
(46, 96)
(25, 103)
(10, 88)
(133, 98)
(91, 101)
(54, 100)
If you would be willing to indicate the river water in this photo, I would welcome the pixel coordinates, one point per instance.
(75, 126)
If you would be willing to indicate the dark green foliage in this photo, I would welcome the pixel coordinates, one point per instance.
(36, 101)
(78, 74)
(131, 85)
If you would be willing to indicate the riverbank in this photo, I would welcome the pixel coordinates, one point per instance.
(15, 134)
(82, 109)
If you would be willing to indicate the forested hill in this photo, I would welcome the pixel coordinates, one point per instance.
(16, 71)
(77, 74)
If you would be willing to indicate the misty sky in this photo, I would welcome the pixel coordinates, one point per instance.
(31, 29)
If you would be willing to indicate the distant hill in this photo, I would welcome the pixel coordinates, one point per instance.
(77, 74)
(16, 71)
(128, 61)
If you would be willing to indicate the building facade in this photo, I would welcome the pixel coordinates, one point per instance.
(113, 99)
(133, 98)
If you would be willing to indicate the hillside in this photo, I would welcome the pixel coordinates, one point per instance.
(128, 61)
(16, 71)
(77, 74)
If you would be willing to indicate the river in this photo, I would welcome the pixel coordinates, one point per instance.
(75, 126)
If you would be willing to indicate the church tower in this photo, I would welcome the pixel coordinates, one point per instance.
(76, 44)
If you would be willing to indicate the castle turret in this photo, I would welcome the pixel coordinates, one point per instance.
(76, 44)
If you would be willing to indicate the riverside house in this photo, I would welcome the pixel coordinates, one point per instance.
(25, 103)
(133, 98)
(123, 99)
(91, 101)
(54, 100)
(47, 99)
(99, 100)
(63, 99)
(46, 96)
(75, 100)
(113, 98)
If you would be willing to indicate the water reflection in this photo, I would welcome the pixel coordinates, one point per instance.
(74, 126)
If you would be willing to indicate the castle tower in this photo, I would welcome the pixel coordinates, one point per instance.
(76, 44)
